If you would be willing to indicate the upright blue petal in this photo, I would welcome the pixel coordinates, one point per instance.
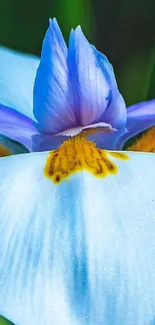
(17, 75)
(116, 113)
(53, 104)
(90, 86)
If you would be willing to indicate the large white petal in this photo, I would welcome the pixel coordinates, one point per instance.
(17, 74)
(81, 252)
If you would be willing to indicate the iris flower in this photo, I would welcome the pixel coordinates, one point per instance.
(77, 239)
(73, 90)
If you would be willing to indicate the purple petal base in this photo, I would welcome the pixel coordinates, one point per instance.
(17, 127)
(140, 117)
(105, 138)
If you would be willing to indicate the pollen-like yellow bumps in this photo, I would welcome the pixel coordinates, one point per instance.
(77, 154)
(4, 151)
(146, 143)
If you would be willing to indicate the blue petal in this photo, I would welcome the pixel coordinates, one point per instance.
(79, 252)
(90, 86)
(109, 141)
(53, 103)
(17, 74)
(45, 142)
(116, 113)
(140, 117)
(17, 127)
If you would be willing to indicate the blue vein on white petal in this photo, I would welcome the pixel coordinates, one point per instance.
(61, 250)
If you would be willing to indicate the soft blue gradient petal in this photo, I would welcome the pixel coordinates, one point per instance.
(116, 113)
(90, 86)
(17, 74)
(82, 252)
(53, 103)
(17, 127)
(109, 141)
(12, 146)
(43, 142)
(140, 117)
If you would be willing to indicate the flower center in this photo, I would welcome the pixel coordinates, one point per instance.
(4, 151)
(146, 142)
(78, 154)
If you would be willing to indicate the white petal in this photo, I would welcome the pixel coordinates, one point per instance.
(17, 74)
(81, 252)
(92, 128)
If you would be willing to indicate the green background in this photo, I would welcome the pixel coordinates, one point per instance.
(123, 30)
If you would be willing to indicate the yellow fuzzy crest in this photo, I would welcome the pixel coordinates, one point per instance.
(77, 154)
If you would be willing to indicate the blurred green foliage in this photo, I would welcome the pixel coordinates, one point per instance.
(123, 30)
(135, 77)
(23, 23)
(4, 321)
(73, 13)
(151, 83)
